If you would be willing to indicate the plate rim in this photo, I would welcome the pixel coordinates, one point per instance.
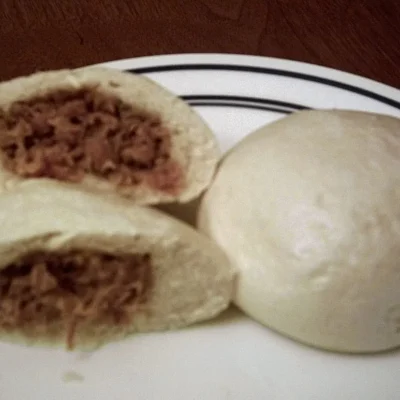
(150, 64)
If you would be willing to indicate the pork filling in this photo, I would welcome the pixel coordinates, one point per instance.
(45, 291)
(68, 134)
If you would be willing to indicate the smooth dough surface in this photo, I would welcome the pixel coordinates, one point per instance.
(308, 209)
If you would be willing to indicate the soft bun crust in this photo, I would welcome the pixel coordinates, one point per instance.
(308, 210)
(193, 144)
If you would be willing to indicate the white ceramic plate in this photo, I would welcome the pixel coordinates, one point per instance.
(232, 357)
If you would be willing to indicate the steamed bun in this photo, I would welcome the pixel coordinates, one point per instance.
(308, 210)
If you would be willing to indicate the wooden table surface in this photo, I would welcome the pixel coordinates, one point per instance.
(361, 37)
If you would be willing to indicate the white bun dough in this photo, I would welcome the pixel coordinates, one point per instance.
(308, 210)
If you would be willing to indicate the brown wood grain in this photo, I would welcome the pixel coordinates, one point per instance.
(361, 37)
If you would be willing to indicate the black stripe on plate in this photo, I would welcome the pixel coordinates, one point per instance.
(239, 105)
(269, 71)
(243, 99)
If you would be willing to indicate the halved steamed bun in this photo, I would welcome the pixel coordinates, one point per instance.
(106, 131)
(82, 270)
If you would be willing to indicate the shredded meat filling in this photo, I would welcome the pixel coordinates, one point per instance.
(46, 290)
(68, 134)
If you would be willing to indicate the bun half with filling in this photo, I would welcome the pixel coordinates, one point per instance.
(106, 131)
(79, 269)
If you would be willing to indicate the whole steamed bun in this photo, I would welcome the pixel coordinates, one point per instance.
(308, 210)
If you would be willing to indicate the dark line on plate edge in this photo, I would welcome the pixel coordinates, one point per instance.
(243, 99)
(238, 105)
(269, 71)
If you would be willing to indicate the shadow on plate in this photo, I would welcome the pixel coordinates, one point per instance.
(186, 212)
(230, 315)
